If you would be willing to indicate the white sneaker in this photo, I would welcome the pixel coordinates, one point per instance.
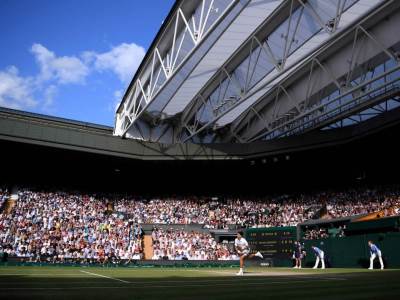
(370, 269)
(314, 267)
(295, 267)
(258, 254)
(240, 273)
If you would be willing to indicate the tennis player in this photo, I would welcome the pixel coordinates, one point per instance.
(243, 250)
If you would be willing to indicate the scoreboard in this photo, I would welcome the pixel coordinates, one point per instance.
(272, 242)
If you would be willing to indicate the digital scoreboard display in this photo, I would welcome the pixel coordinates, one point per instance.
(274, 242)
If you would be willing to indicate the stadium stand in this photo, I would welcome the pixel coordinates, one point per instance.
(182, 245)
(278, 118)
(60, 226)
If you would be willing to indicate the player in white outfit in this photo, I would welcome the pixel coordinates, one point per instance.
(243, 250)
(375, 251)
(320, 256)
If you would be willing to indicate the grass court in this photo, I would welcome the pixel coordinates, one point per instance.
(58, 282)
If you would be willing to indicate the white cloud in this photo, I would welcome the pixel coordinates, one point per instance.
(123, 60)
(16, 91)
(40, 90)
(49, 94)
(64, 69)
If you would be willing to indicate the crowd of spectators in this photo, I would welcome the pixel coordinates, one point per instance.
(59, 226)
(323, 232)
(174, 244)
(286, 210)
(214, 214)
(313, 234)
(363, 201)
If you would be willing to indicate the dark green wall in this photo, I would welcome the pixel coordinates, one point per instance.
(353, 251)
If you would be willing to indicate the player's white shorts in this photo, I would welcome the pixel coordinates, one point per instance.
(245, 252)
(379, 254)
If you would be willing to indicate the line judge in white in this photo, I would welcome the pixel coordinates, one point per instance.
(320, 256)
(243, 250)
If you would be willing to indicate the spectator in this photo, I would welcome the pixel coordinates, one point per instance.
(178, 244)
(62, 226)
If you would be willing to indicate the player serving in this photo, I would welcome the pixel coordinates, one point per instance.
(243, 250)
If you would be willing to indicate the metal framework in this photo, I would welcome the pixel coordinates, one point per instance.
(309, 65)
(371, 76)
(372, 112)
(186, 31)
(266, 54)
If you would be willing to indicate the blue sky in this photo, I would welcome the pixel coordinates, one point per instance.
(73, 59)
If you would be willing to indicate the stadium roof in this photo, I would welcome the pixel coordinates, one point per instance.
(37, 129)
(223, 71)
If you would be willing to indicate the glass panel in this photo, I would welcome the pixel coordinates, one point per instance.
(288, 36)
(304, 28)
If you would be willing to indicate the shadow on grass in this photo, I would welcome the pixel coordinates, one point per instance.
(202, 283)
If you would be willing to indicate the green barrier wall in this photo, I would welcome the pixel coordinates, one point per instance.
(353, 251)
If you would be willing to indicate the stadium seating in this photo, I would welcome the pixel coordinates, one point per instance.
(183, 245)
(60, 226)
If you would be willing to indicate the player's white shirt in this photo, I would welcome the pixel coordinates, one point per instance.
(242, 243)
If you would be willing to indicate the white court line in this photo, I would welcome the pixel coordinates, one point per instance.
(99, 275)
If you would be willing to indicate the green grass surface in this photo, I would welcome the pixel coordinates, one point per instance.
(203, 283)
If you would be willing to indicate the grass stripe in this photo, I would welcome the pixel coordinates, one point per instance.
(103, 276)
(161, 286)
